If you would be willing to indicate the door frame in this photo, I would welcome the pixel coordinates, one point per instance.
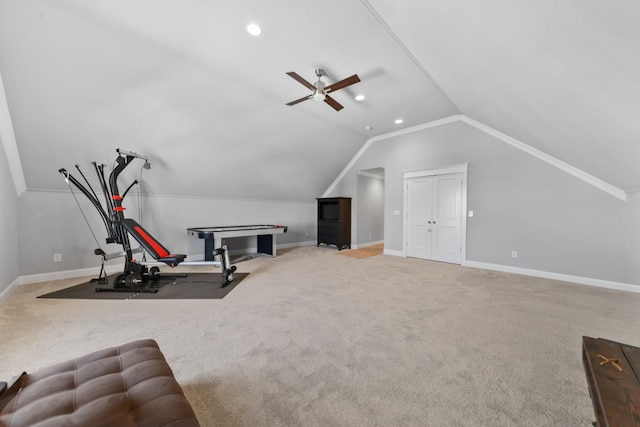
(356, 218)
(461, 169)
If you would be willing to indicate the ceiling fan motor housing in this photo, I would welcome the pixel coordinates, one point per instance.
(319, 94)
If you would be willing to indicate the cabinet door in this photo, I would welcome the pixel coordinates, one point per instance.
(328, 232)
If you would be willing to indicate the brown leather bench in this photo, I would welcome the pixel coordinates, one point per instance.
(128, 385)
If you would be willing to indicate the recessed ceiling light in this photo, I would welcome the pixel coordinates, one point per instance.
(360, 97)
(254, 29)
(398, 121)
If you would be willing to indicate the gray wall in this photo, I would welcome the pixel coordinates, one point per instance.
(557, 222)
(56, 215)
(369, 210)
(8, 226)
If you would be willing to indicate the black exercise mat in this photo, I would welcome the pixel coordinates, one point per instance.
(194, 286)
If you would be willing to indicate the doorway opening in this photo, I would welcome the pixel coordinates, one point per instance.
(369, 208)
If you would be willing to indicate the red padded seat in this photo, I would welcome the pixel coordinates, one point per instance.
(151, 245)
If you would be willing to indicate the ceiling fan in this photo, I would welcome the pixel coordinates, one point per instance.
(320, 92)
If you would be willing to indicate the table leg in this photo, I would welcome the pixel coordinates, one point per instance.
(208, 249)
(267, 244)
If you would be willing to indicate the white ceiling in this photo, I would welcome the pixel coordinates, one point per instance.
(183, 82)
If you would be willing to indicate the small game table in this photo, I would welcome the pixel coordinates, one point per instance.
(264, 236)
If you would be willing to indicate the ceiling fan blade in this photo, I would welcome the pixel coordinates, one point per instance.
(297, 101)
(343, 83)
(297, 77)
(333, 103)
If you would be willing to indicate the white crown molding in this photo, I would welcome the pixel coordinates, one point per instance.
(373, 139)
(590, 179)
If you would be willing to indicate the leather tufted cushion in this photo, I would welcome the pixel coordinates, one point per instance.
(129, 385)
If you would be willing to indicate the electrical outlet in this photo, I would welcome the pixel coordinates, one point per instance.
(57, 257)
(514, 254)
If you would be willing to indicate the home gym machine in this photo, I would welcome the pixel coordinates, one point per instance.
(136, 275)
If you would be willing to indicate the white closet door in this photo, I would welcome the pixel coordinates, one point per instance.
(447, 218)
(420, 199)
(434, 217)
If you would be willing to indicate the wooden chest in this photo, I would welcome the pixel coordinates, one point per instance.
(612, 371)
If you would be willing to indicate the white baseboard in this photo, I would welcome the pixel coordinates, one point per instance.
(68, 274)
(543, 274)
(114, 268)
(297, 244)
(36, 278)
(556, 276)
(366, 245)
(394, 253)
(9, 289)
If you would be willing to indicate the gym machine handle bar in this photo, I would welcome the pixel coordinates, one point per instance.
(132, 154)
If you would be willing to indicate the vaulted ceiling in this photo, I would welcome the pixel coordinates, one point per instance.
(184, 83)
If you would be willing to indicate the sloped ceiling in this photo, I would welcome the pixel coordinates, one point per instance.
(560, 76)
(183, 83)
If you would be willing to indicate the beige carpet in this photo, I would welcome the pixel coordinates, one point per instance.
(362, 253)
(312, 338)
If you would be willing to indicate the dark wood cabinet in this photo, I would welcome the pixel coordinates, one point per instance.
(334, 222)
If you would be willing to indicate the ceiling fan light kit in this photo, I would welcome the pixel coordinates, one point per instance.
(319, 90)
(319, 96)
